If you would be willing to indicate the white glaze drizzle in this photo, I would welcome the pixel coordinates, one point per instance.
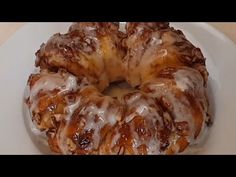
(115, 138)
(105, 116)
(180, 111)
(61, 136)
(186, 79)
(49, 82)
(150, 115)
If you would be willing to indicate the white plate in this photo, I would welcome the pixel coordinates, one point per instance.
(17, 62)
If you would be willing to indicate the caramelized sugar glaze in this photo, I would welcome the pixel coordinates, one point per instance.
(166, 114)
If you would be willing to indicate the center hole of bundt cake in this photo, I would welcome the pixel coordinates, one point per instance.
(118, 89)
